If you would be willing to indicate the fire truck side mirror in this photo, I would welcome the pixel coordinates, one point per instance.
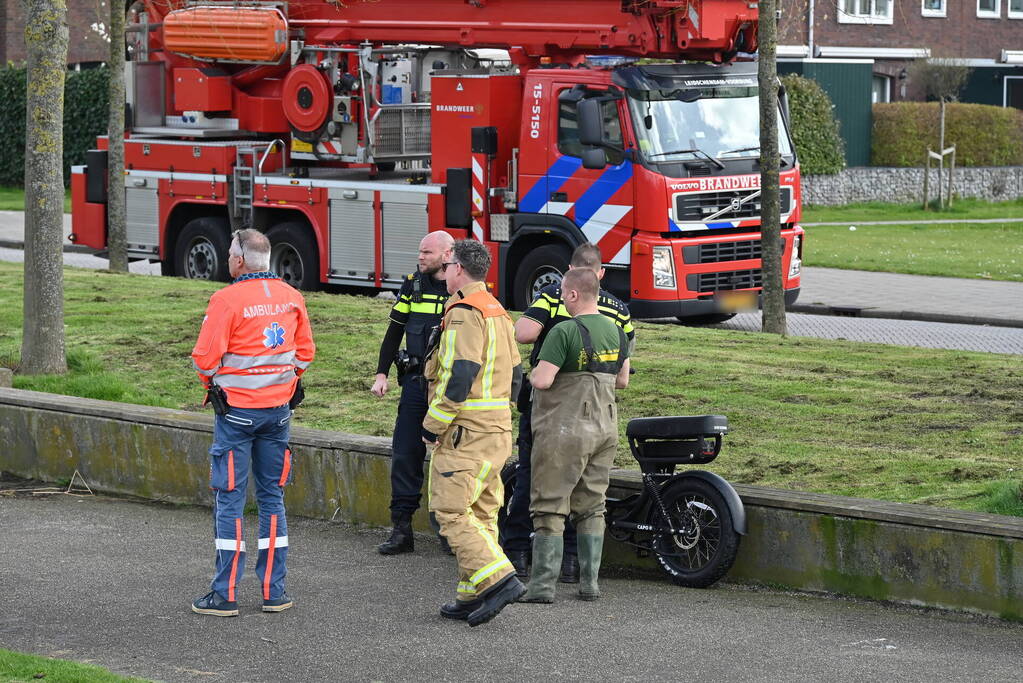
(594, 158)
(591, 122)
(458, 198)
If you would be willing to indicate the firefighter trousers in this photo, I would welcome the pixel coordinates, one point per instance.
(465, 495)
(572, 466)
(256, 440)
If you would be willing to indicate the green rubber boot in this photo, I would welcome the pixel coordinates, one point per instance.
(591, 547)
(547, 551)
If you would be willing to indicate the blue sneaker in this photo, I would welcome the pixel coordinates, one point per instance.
(278, 604)
(214, 605)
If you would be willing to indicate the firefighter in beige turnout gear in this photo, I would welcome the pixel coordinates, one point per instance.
(575, 435)
(471, 374)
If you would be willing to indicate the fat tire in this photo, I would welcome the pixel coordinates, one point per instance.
(509, 475)
(715, 522)
(200, 252)
(293, 255)
(541, 261)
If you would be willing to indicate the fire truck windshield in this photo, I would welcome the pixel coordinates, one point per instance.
(717, 124)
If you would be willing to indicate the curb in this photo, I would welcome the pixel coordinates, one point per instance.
(67, 248)
(856, 312)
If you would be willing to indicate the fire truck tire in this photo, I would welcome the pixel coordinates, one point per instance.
(293, 255)
(706, 319)
(541, 267)
(201, 249)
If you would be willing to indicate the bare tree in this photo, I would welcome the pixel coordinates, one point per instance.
(773, 295)
(943, 79)
(117, 236)
(46, 41)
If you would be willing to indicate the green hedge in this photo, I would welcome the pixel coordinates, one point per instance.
(85, 117)
(813, 126)
(984, 135)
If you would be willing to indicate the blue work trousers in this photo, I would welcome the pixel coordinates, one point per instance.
(408, 452)
(253, 439)
(518, 525)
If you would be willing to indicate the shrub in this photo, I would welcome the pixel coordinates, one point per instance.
(85, 117)
(813, 126)
(984, 135)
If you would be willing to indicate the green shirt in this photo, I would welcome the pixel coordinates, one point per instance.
(563, 346)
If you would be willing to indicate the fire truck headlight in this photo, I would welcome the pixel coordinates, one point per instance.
(796, 264)
(664, 268)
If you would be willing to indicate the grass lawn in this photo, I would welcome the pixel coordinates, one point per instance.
(991, 251)
(885, 422)
(962, 209)
(13, 199)
(15, 666)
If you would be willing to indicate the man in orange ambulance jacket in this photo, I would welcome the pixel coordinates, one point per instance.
(254, 343)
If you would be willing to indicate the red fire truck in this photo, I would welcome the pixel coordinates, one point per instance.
(348, 130)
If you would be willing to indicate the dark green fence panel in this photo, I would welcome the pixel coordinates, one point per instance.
(848, 86)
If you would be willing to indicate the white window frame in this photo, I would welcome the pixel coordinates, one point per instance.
(1014, 13)
(988, 14)
(1005, 88)
(887, 88)
(933, 12)
(846, 18)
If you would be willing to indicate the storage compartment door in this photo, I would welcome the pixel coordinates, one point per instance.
(352, 243)
(404, 226)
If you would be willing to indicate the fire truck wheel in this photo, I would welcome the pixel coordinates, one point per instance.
(706, 319)
(201, 250)
(543, 266)
(293, 255)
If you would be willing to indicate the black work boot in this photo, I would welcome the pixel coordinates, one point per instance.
(519, 560)
(569, 569)
(401, 539)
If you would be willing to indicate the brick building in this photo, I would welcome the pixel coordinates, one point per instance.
(986, 34)
(86, 46)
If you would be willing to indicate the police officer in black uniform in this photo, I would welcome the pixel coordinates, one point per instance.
(419, 308)
(546, 311)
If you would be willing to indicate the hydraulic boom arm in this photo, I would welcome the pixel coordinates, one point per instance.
(561, 29)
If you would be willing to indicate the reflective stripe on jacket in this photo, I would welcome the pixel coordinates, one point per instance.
(255, 341)
(472, 369)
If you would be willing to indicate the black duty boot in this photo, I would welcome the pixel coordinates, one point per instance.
(519, 560)
(569, 569)
(401, 539)
(460, 609)
(495, 599)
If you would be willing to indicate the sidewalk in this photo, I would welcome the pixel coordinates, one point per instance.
(109, 581)
(826, 291)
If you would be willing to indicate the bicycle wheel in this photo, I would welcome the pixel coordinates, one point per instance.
(704, 546)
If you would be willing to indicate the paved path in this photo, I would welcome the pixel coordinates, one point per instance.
(110, 581)
(944, 221)
(825, 290)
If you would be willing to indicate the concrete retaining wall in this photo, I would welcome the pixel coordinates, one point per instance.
(905, 185)
(889, 551)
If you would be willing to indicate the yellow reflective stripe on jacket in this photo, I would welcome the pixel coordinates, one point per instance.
(430, 308)
(480, 478)
(446, 361)
(485, 404)
(466, 587)
(488, 366)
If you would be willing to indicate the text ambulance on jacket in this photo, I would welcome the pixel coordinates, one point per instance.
(255, 341)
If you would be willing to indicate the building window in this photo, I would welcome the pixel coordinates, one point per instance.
(1016, 9)
(989, 9)
(933, 8)
(880, 89)
(865, 11)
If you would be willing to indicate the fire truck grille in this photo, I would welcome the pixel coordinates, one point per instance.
(700, 206)
(403, 132)
(706, 283)
(722, 251)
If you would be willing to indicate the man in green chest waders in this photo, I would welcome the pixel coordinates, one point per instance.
(575, 434)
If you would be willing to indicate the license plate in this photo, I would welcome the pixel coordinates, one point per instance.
(733, 302)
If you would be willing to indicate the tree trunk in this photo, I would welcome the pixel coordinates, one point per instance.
(773, 295)
(117, 237)
(46, 41)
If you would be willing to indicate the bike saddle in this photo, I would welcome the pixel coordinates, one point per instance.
(676, 427)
